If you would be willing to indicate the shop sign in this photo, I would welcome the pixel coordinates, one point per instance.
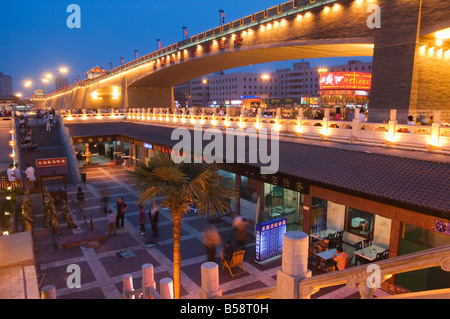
(269, 238)
(50, 162)
(148, 146)
(442, 227)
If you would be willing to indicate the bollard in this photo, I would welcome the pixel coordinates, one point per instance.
(210, 280)
(127, 286)
(294, 265)
(166, 288)
(148, 280)
(48, 292)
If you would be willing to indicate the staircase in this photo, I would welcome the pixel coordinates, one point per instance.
(50, 145)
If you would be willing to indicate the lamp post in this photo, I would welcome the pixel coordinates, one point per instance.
(158, 44)
(222, 17)
(136, 52)
(184, 32)
(45, 80)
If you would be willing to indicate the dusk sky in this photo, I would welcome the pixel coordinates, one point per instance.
(34, 37)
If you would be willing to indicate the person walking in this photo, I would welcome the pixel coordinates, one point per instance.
(48, 123)
(240, 224)
(142, 219)
(154, 214)
(211, 239)
(30, 172)
(111, 223)
(10, 173)
(121, 208)
(80, 199)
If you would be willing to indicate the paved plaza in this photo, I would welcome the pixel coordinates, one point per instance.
(102, 268)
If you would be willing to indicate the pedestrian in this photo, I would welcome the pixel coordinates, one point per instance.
(105, 199)
(142, 219)
(30, 172)
(10, 173)
(80, 199)
(240, 224)
(48, 123)
(211, 239)
(17, 172)
(153, 215)
(227, 252)
(121, 208)
(88, 156)
(111, 223)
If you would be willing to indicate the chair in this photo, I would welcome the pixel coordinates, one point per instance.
(236, 260)
(379, 257)
(366, 243)
(349, 261)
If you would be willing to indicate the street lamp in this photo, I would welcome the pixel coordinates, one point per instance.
(63, 70)
(45, 80)
(222, 17)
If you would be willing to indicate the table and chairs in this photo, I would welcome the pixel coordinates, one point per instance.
(370, 254)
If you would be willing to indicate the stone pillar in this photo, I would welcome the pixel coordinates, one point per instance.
(294, 265)
(48, 292)
(127, 286)
(148, 280)
(166, 288)
(210, 281)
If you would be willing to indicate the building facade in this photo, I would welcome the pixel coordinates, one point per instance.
(232, 89)
(6, 88)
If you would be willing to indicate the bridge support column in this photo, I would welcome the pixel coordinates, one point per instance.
(294, 266)
(407, 74)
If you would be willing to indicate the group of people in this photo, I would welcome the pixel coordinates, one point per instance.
(13, 173)
(26, 144)
(340, 257)
(116, 220)
(5, 113)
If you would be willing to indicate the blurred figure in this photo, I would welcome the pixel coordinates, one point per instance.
(211, 239)
(153, 215)
(105, 199)
(240, 224)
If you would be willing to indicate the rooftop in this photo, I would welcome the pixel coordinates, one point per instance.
(415, 180)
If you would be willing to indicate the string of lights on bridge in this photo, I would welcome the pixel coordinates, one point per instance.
(209, 43)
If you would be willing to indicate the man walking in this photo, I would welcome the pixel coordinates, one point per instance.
(153, 214)
(121, 208)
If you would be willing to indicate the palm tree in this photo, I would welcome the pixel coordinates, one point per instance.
(182, 185)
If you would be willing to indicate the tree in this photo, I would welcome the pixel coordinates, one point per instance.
(182, 185)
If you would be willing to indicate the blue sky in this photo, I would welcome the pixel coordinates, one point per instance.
(34, 37)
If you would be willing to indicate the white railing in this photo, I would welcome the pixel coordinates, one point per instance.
(434, 138)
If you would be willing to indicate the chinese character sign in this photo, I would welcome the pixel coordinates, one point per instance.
(442, 227)
(49, 162)
(269, 238)
(345, 80)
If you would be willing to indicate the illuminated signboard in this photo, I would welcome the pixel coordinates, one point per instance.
(269, 238)
(345, 81)
(49, 162)
(149, 146)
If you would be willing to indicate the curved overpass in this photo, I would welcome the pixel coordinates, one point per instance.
(298, 29)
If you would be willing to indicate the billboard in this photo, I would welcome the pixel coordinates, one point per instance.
(269, 238)
(345, 81)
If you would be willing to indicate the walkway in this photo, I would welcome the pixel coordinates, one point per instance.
(102, 268)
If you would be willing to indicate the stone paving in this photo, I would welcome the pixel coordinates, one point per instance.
(102, 268)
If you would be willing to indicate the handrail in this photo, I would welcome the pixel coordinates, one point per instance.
(355, 277)
(434, 138)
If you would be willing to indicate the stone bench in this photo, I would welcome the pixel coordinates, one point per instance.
(75, 240)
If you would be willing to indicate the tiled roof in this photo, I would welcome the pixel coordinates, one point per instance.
(420, 185)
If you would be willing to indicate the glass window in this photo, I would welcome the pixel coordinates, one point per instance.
(249, 189)
(282, 202)
(318, 215)
(359, 222)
